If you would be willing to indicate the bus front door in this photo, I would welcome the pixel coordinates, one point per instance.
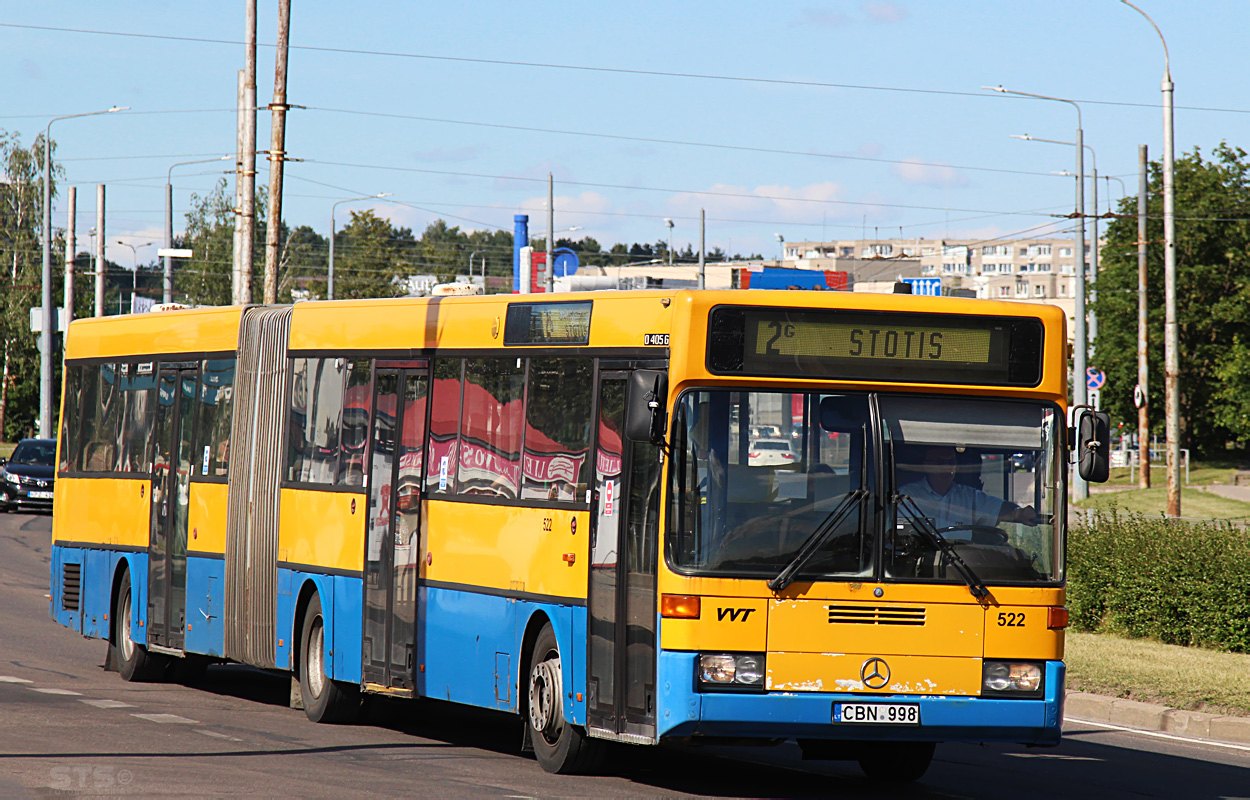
(172, 464)
(393, 534)
(622, 628)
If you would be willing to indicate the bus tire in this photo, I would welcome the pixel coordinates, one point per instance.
(325, 699)
(896, 762)
(560, 747)
(134, 662)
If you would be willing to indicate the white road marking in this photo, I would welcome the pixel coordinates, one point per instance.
(66, 692)
(174, 718)
(106, 703)
(217, 735)
(1055, 756)
(1161, 735)
(11, 679)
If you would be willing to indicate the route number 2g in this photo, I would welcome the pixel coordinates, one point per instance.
(1011, 619)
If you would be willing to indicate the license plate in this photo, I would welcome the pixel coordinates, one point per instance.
(877, 713)
(39, 495)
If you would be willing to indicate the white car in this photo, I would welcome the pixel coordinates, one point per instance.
(770, 452)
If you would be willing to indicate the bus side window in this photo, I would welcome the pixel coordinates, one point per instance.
(440, 472)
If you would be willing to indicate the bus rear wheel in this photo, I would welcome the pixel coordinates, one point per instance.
(559, 746)
(134, 662)
(896, 762)
(325, 699)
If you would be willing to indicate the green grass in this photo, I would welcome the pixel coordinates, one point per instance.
(1153, 502)
(1201, 472)
(1179, 677)
(7, 448)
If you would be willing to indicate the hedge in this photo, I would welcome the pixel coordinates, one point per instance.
(1154, 578)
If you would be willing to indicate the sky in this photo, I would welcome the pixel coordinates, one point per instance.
(809, 120)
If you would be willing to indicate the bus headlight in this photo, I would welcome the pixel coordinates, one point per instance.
(1011, 677)
(745, 670)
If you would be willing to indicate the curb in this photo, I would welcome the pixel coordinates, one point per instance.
(1151, 717)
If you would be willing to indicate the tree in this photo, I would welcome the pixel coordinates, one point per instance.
(21, 220)
(1213, 300)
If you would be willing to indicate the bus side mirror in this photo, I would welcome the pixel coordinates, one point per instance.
(645, 397)
(1093, 443)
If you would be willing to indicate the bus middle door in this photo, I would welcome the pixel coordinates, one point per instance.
(393, 526)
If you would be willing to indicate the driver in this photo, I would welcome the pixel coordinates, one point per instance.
(950, 504)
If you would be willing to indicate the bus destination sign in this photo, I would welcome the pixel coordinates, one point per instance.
(878, 346)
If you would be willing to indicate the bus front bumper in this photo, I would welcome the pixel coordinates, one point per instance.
(686, 712)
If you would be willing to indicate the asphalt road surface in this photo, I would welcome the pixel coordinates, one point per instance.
(67, 727)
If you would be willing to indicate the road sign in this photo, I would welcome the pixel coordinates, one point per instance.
(1139, 396)
(1095, 378)
(926, 287)
(1095, 396)
(36, 319)
(174, 252)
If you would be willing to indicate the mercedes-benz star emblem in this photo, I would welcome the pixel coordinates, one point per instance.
(875, 673)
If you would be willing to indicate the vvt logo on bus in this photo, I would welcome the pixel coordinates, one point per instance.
(733, 613)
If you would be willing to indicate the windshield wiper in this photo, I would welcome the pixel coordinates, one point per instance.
(817, 540)
(940, 543)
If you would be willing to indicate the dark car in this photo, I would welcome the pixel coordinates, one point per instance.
(29, 475)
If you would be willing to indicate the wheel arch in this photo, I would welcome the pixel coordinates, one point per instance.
(138, 598)
(308, 588)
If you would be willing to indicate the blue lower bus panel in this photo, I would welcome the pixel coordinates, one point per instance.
(809, 715)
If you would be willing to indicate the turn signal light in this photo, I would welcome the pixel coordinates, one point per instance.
(679, 606)
(1057, 618)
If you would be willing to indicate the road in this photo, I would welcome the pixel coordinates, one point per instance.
(69, 727)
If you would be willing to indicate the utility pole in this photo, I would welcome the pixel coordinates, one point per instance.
(247, 231)
(71, 243)
(1143, 365)
(702, 249)
(551, 232)
(277, 152)
(99, 252)
(236, 260)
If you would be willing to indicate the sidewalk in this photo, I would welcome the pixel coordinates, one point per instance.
(1150, 717)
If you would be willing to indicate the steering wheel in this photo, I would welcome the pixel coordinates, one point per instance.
(981, 534)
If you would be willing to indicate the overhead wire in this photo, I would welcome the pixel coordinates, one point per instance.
(589, 68)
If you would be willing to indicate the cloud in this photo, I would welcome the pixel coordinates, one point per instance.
(940, 175)
(884, 11)
(448, 154)
(873, 11)
(820, 17)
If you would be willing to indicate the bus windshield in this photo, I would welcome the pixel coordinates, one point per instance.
(898, 494)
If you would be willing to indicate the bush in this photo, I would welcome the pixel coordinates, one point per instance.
(1155, 578)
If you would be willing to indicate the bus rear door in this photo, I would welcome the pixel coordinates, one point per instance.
(172, 465)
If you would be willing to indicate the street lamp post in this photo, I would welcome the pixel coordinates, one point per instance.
(1093, 255)
(134, 274)
(1080, 488)
(1171, 338)
(167, 292)
(781, 248)
(330, 265)
(45, 336)
(669, 223)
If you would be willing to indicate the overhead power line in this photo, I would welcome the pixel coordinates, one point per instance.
(587, 68)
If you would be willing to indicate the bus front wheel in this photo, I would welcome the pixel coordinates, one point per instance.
(134, 662)
(559, 746)
(896, 762)
(325, 699)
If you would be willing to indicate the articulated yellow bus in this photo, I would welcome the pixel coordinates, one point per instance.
(624, 516)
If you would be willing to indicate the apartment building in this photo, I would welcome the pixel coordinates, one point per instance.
(1016, 269)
